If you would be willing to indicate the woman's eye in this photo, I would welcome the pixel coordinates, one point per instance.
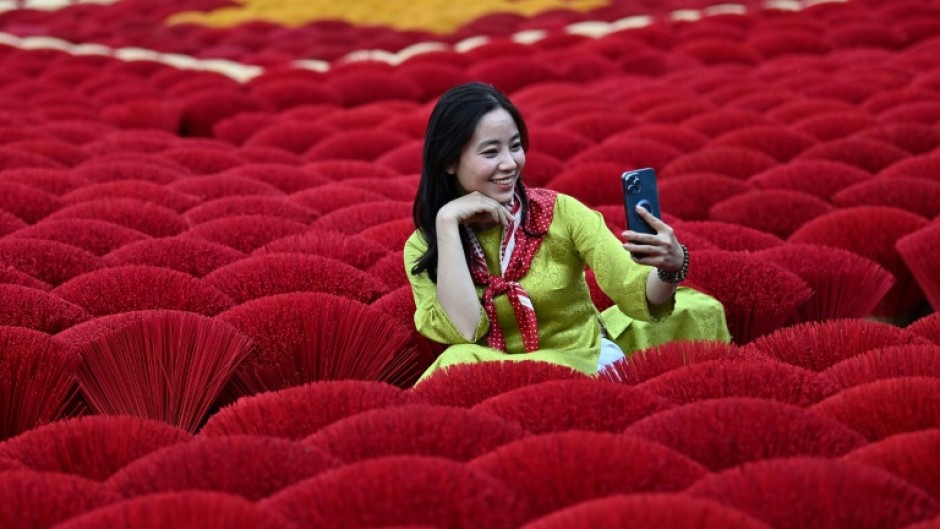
(490, 153)
(517, 146)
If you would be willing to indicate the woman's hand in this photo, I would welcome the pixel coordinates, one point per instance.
(661, 250)
(474, 208)
(455, 289)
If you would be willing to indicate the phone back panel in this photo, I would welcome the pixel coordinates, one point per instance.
(639, 188)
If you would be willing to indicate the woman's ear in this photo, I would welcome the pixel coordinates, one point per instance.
(451, 169)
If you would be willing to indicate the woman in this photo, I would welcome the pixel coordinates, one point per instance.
(497, 269)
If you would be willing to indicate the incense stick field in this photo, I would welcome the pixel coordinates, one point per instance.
(206, 321)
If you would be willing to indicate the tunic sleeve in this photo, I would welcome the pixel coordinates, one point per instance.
(430, 318)
(623, 280)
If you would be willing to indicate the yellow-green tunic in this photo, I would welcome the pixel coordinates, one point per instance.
(569, 332)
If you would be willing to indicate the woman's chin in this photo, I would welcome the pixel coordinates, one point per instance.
(502, 193)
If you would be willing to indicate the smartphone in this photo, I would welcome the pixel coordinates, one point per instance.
(639, 189)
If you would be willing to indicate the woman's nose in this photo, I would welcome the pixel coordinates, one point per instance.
(506, 161)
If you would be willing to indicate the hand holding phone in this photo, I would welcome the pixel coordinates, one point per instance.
(639, 189)
(660, 247)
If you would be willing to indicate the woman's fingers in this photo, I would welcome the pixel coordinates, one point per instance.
(496, 211)
(502, 212)
(477, 207)
(644, 249)
(654, 222)
(637, 237)
(658, 260)
(667, 255)
(507, 214)
(661, 249)
(499, 216)
(661, 242)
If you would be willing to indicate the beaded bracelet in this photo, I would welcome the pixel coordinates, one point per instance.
(678, 276)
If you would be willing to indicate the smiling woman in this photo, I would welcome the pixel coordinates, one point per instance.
(497, 268)
(493, 158)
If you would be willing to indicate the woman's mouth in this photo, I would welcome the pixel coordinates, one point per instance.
(504, 181)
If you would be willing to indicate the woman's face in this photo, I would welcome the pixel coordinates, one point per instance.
(492, 160)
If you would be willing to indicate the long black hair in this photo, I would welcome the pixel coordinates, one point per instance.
(453, 122)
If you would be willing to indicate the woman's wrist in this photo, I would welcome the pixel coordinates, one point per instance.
(679, 275)
(445, 221)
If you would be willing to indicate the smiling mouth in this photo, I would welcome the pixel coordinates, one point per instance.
(503, 181)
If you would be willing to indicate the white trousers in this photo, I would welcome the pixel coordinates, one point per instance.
(610, 353)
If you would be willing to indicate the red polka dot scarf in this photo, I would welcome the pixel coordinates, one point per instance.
(516, 253)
